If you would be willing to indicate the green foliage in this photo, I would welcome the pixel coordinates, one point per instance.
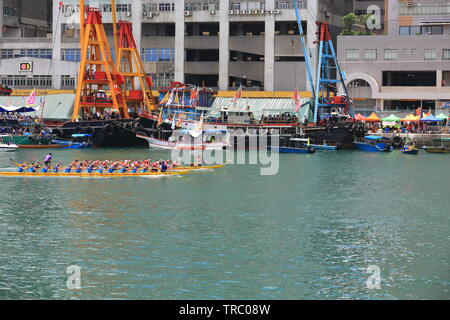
(349, 20)
(347, 33)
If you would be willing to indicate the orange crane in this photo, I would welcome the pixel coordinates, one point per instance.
(130, 66)
(99, 84)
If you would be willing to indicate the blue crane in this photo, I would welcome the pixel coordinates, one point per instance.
(324, 85)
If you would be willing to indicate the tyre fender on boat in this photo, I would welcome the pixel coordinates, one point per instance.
(58, 132)
(397, 142)
(89, 130)
(78, 129)
(108, 130)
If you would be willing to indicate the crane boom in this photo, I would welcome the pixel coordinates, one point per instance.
(305, 48)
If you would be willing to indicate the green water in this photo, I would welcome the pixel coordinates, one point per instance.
(309, 232)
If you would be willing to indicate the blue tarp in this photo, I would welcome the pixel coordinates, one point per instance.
(373, 137)
(81, 135)
(431, 117)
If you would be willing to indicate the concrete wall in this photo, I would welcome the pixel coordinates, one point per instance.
(289, 75)
(371, 71)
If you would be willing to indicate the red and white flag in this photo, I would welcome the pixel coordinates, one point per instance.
(237, 96)
(296, 100)
(32, 98)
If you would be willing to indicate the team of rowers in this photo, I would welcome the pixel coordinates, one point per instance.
(101, 166)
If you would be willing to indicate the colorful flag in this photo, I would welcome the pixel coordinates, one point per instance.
(418, 112)
(31, 99)
(296, 100)
(159, 122)
(180, 120)
(194, 97)
(237, 96)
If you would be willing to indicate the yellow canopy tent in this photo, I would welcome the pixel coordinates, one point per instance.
(410, 117)
(373, 118)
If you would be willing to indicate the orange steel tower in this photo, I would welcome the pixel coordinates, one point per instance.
(131, 68)
(99, 83)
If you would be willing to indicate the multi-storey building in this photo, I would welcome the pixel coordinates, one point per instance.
(217, 43)
(407, 63)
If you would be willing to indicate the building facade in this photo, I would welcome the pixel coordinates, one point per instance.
(407, 65)
(216, 43)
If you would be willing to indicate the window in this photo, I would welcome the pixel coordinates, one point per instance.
(409, 78)
(352, 55)
(67, 81)
(446, 54)
(71, 55)
(413, 51)
(32, 53)
(370, 54)
(22, 81)
(154, 55)
(390, 54)
(406, 52)
(404, 31)
(162, 79)
(167, 7)
(414, 31)
(418, 30)
(430, 54)
(123, 7)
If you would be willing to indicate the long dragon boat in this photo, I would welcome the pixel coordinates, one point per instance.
(93, 174)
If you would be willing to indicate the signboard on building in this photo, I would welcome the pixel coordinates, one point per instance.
(26, 66)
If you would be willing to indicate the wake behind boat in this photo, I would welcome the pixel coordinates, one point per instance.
(6, 146)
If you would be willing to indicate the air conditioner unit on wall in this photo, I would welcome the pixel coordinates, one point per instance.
(212, 12)
(187, 13)
(231, 12)
(411, 4)
(236, 12)
(248, 12)
(127, 14)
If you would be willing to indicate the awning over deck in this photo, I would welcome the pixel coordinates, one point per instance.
(261, 106)
(53, 107)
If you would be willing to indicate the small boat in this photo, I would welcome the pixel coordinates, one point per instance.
(79, 141)
(410, 149)
(324, 146)
(373, 144)
(294, 145)
(191, 140)
(7, 146)
(93, 174)
(443, 148)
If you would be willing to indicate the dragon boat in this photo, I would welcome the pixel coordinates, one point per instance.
(93, 174)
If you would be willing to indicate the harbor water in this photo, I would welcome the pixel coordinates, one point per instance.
(309, 232)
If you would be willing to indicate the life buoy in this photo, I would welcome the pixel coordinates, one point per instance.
(108, 130)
